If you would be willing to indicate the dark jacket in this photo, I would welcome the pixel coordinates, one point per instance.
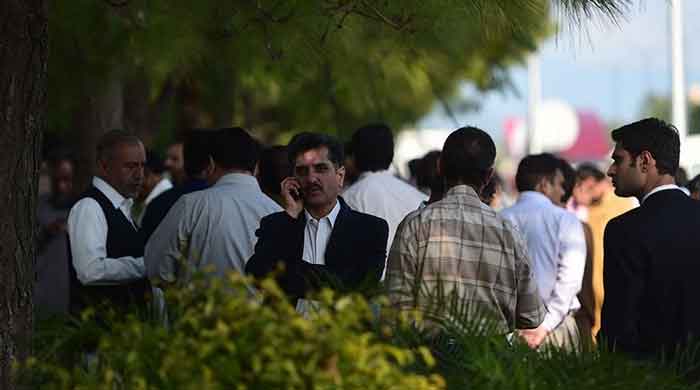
(652, 275)
(355, 254)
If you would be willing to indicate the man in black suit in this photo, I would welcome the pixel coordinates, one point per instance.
(652, 260)
(319, 240)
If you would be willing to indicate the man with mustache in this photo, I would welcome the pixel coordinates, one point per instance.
(106, 250)
(318, 239)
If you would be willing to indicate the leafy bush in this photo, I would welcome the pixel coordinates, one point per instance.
(220, 338)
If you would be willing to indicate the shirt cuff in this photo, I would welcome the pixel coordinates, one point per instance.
(551, 321)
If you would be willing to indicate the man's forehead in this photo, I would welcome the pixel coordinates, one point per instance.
(313, 157)
(619, 151)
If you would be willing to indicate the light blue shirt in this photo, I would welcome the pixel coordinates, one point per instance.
(557, 249)
(214, 228)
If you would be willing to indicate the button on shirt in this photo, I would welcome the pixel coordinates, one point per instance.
(209, 228)
(384, 195)
(557, 246)
(87, 228)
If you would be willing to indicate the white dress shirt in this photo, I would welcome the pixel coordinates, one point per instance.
(210, 228)
(87, 229)
(384, 195)
(557, 248)
(317, 233)
(663, 188)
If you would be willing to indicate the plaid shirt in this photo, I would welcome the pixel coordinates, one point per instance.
(459, 247)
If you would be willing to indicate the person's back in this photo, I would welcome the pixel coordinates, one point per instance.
(225, 218)
(460, 248)
(215, 227)
(377, 191)
(384, 195)
(666, 232)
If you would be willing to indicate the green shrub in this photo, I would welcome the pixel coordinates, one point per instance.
(220, 338)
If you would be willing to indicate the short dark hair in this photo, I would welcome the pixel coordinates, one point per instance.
(467, 156)
(273, 168)
(306, 141)
(534, 168)
(570, 177)
(681, 177)
(587, 171)
(235, 149)
(196, 150)
(427, 170)
(373, 147)
(154, 162)
(694, 184)
(59, 155)
(655, 136)
(112, 139)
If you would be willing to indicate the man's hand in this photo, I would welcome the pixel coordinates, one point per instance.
(534, 337)
(292, 196)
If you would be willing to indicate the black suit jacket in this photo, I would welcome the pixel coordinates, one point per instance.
(652, 275)
(355, 254)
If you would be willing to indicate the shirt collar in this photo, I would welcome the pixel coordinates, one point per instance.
(533, 197)
(332, 216)
(237, 178)
(462, 189)
(661, 188)
(163, 185)
(117, 199)
(372, 173)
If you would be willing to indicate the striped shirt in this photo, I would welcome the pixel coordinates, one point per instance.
(460, 248)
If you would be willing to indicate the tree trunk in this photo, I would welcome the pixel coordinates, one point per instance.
(102, 111)
(23, 89)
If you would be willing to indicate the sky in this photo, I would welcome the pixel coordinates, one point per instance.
(601, 67)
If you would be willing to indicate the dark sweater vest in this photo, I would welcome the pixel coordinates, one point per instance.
(122, 240)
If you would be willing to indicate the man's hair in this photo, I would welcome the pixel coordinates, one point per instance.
(196, 150)
(533, 168)
(306, 141)
(694, 184)
(234, 148)
(373, 147)
(587, 171)
(273, 168)
(58, 155)
(655, 136)
(570, 177)
(427, 170)
(467, 156)
(154, 162)
(113, 138)
(681, 177)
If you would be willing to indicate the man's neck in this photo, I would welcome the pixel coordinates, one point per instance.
(221, 173)
(661, 180)
(323, 211)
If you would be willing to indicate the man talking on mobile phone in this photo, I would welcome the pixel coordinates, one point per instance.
(318, 239)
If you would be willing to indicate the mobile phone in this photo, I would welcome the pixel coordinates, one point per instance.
(296, 193)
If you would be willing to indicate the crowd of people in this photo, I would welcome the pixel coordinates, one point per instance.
(581, 257)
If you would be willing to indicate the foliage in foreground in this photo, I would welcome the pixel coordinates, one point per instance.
(219, 338)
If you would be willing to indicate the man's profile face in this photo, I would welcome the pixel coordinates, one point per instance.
(123, 168)
(175, 162)
(625, 173)
(319, 178)
(62, 181)
(555, 188)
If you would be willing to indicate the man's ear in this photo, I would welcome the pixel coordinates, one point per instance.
(341, 175)
(646, 161)
(487, 178)
(542, 185)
